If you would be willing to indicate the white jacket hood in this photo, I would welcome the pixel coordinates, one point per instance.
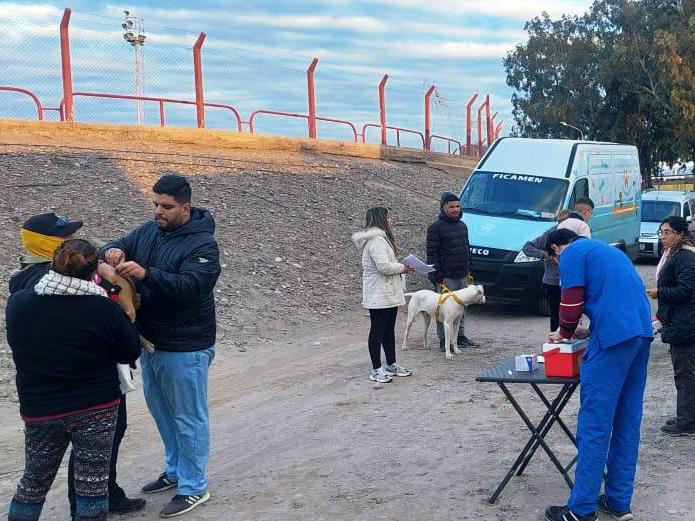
(361, 238)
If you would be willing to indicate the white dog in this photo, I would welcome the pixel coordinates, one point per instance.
(425, 302)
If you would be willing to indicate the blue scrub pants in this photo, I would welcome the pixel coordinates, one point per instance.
(176, 391)
(608, 427)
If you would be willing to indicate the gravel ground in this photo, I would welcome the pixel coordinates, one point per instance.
(298, 431)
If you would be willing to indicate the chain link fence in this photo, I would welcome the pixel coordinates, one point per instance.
(245, 87)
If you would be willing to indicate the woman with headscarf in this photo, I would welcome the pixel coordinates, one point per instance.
(675, 293)
(382, 291)
(66, 338)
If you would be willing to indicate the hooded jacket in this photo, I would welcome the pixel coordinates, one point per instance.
(676, 298)
(182, 266)
(30, 271)
(382, 283)
(448, 249)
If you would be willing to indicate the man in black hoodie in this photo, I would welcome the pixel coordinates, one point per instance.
(448, 250)
(174, 260)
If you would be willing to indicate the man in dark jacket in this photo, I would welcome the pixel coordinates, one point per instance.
(174, 260)
(41, 235)
(448, 250)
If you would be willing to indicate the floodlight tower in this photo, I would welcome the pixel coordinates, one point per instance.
(135, 35)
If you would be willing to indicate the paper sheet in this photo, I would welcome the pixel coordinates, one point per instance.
(412, 261)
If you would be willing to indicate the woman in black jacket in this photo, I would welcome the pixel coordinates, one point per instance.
(676, 296)
(66, 338)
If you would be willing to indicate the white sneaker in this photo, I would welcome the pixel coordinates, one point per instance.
(380, 376)
(396, 370)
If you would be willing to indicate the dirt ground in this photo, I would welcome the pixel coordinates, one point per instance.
(298, 431)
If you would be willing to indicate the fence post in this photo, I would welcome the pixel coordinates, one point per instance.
(428, 132)
(382, 107)
(69, 113)
(198, 73)
(480, 127)
(469, 107)
(487, 120)
(493, 133)
(499, 129)
(312, 97)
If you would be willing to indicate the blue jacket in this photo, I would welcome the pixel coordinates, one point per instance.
(182, 266)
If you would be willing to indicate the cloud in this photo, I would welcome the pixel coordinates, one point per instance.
(510, 9)
(447, 50)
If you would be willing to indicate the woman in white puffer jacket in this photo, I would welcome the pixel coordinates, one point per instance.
(382, 291)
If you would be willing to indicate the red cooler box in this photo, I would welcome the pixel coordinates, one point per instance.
(564, 359)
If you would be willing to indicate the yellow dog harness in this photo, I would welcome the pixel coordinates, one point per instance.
(446, 294)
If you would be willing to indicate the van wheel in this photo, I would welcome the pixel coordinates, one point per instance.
(542, 306)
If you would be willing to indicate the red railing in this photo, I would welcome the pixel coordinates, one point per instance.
(255, 113)
(449, 141)
(398, 133)
(39, 107)
(160, 101)
(66, 108)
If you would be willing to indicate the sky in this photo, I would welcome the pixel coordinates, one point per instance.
(256, 53)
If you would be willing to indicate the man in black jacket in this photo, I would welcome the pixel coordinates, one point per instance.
(448, 250)
(174, 260)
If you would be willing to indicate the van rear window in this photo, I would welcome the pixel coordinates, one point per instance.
(657, 211)
(513, 195)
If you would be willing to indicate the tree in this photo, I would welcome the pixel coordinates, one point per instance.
(605, 73)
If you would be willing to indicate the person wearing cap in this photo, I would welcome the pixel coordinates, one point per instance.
(449, 252)
(41, 235)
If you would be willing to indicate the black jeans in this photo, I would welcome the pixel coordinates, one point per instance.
(684, 375)
(553, 294)
(382, 333)
(115, 492)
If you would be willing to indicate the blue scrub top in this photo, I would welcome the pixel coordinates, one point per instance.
(614, 295)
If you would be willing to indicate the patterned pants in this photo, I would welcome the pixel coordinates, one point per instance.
(91, 435)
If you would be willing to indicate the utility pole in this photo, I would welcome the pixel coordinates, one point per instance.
(135, 36)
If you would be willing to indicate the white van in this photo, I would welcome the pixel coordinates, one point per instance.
(656, 206)
(517, 190)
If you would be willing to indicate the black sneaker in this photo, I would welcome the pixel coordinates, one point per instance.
(463, 341)
(673, 429)
(159, 484)
(672, 421)
(123, 505)
(565, 514)
(182, 504)
(603, 506)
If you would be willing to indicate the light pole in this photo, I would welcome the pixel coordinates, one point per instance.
(564, 124)
(135, 36)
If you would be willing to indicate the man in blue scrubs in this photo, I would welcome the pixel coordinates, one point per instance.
(600, 281)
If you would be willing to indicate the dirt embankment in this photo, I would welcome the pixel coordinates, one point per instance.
(284, 217)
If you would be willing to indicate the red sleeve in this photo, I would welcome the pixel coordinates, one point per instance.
(571, 309)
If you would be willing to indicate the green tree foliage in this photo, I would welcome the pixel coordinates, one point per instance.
(624, 72)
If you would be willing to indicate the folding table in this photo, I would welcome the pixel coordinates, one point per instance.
(506, 373)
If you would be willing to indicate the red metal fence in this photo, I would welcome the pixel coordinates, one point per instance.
(487, 131)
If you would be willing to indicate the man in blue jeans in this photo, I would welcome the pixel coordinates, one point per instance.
(174, 261)
(600, 280)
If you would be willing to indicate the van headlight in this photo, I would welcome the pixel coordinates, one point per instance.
(522, 257)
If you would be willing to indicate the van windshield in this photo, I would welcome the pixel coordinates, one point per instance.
(657, 211)
(513, 195)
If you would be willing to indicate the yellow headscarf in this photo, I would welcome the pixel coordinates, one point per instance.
(40, 245)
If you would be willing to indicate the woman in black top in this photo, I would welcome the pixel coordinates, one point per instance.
(66, 337)
(676, 295)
